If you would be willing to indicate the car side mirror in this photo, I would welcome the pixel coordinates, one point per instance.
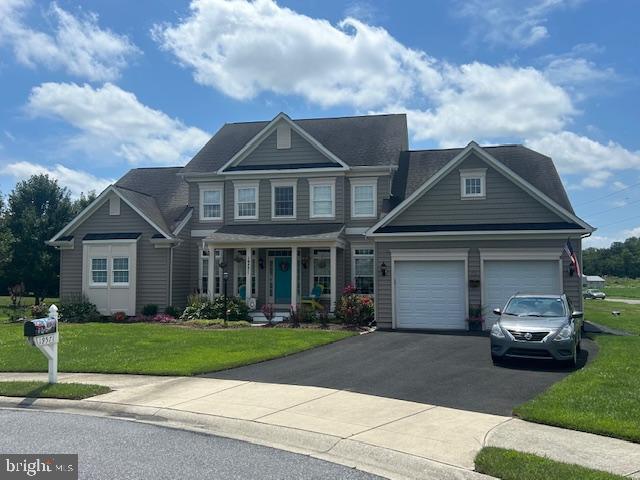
(577, 314)
(497, 311)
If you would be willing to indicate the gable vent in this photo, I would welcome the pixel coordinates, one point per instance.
(283, 136)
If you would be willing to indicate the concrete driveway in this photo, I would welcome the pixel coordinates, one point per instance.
(446, 370)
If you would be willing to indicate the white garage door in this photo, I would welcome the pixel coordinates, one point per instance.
(430, 294)
(503, 278)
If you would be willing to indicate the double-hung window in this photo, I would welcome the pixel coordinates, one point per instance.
(473, 183)
(283, 200)
(246, 198)
(211, 202)
(363, 270)
(120, 271)
(321, 270)
(322, 198)
(363, 198)
(98, 271)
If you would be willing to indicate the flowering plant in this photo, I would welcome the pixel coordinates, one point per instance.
(354, 309)
(268, 312)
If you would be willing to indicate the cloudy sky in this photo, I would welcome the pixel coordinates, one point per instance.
(89, 89)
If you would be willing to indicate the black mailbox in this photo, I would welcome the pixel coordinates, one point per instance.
(40, 326)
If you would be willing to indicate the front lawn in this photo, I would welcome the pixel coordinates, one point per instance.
(23, 311)
(616, 287)
(598, 311)
(69, 391)
(154, 349)
(604, 396)
(512, 465)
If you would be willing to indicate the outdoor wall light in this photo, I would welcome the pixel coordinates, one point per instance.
(304, 261)
(383, 269)
(222, 265)
(261, 263)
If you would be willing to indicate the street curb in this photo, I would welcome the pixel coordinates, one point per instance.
(354, 454)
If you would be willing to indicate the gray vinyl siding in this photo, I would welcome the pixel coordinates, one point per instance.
(505, 202)
(182, 269)
(301, 152)
(571, 284)
(152, 263)
(383, 191)
(195, 244)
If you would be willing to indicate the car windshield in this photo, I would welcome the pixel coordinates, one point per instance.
(535, 307)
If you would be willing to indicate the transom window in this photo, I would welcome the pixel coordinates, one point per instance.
(247, 202)
(322, 199)
(363, 198)
(363, 270)
(472, 183)
(120, 270)
(284, 201)
(99, 271)
(321, 270)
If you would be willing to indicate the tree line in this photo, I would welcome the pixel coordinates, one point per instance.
(30, 215)
(621, 259)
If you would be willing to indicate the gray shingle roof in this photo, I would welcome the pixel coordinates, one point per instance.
(161, 193)
(364, 140)
(417, 166)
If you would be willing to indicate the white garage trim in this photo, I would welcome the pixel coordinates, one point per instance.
(461, 254)
(515, 254)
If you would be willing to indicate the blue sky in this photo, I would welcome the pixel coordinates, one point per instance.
(90, 89)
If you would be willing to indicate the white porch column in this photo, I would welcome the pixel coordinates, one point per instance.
(211, 282)
(334, 277)
(247, 286)
(294, 277)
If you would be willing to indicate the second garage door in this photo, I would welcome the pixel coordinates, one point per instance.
(503, 278)
(430, 294)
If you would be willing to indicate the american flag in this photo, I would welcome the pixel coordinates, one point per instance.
(573, 257)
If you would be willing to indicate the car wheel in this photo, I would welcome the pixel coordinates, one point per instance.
(573, 362)
(496, 358)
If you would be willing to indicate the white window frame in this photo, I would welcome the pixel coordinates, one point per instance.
(236, 207)
(474, 173)
(240, 270)
(114, 270)
(217, 287)
(326, 292)
(364, 182)
(322, 182)
(211, 188)
(106, 270)
(353, 264)
(284, 183)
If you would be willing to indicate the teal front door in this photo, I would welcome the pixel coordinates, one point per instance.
(282, 280)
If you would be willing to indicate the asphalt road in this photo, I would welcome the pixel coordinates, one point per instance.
(446, 370)
(111, 448)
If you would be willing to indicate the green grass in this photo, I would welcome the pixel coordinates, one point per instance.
(70, 391)
(24, 310)
(598, 311)
(157, 349)
(603, 397)
(512, 465)
(616, 287)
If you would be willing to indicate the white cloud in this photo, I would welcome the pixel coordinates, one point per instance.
(509, 23)
(77, 181)
(575, 154)
(605, 241)
(76, 45)
(113, 119)
(572, 71)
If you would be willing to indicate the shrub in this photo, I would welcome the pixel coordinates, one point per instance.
(268, 311)
(78, 309)
(172, 311)
(295, 317)
(39, 311)
(216, 323)
(163, 318)
(354, 309)
(120, 317)
(323, 318)
(150, 310)
(210, 309)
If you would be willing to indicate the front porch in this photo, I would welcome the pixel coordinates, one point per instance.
(283, 269)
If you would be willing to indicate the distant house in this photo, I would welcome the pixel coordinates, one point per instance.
(592, 281)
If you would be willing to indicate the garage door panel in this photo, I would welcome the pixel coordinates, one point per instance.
(504, 278)
(430, 294)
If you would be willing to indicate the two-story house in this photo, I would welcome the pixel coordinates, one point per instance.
(273, 209)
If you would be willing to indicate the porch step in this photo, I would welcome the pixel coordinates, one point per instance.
(258, 318)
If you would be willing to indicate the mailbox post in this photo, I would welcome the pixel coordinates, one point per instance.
(43, 333)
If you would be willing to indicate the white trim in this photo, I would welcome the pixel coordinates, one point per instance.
(452, 237)
(183, 222)
(210, 187)
(283, 137)
(443, 254)
(474, 147)
(114, 270)
(245, 185)
(322, 182)
(202, 233)
(104, 284)
(114, 206)
(284, 183)
(266, 131)
(243, 269)
(501, 233)
(115, 240)
(364, 182)
(469, 174)
(356, 230)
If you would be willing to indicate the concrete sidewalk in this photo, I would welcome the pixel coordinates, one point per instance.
(392, 438)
